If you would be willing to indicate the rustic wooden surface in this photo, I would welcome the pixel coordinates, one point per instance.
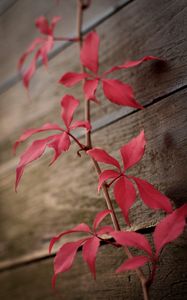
(33, 281)
(42, 189)
(17, 38)
(139, 38)
(43, 205)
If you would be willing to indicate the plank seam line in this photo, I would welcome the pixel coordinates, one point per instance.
(8, 83)
(20, 264)
(8, 7)
(120, 114)
(123, 112)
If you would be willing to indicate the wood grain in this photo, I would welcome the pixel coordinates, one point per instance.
(159, 30)
(33, 281)
(17, 38)
(71, 182)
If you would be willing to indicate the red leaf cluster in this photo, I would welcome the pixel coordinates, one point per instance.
(115, 91)
(58, 142)
(66, 254)
(167, 230)
(124, 191)
(41, 46)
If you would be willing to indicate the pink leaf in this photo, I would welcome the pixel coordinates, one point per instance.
(90, 87)
(84, 124)
(170, 228)
(105, 175)
(132, 239)
(89, 52)
(65, 256)
(101, 155)
(30, 132)
(125, 195)
(89, 252)
(79, 228)
(53, 23)
(53, 281)
(105, 229)
(61, 143)
(33, 152)
(119, 93)
(30, 49)
(69, 105)
(99, 218)
(133, 152)
(45, 48)
(31, 70)
(43, 25)
(72, 78)
(130, 64)
(152, 197)
(133, 263)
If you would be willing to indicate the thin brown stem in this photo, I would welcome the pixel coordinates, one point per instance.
(140, 274)
(80, 5)
(82, 147)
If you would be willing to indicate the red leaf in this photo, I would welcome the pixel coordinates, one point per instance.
(30, 132)
(99, 218)
(152, 197)
(102, 156)
(65, 256)
(71, 78)
(30, 49)
(79, 228)
(60, 144)
(133, 263)
(43, 25)
(89, 52)
(54, 21)
(170, 228)
(119, 93)
(105, 175)
(89, 252)
(125, 195)
(133, 152)
(45, 48)
(90, 87)
(84, 124)
(33, 152)
(53, 281)
(69, 105)
(132, 239)
(31, 70)
(130, 64)
(45, 43)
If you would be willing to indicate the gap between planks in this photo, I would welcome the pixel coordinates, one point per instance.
(5, 85)
(112, 118)
(106, 121)
(41, 256)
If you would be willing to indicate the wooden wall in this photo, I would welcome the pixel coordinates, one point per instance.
(53, 199)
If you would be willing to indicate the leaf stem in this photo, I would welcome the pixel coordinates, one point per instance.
(82, 147)
(80, 6)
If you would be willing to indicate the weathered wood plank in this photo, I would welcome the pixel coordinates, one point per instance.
(52, 193)
(17, 38)
(159, 30)
(33, 281)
